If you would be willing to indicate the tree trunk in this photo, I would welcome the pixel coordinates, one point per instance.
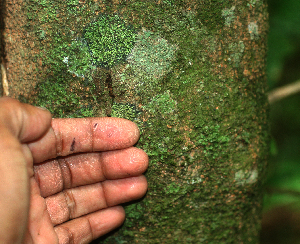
(190, 73)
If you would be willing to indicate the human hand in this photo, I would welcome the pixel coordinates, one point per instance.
(62, 179)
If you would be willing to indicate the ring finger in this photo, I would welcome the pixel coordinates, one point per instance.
(75, 202)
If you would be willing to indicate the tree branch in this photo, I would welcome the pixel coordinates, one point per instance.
(283, 92)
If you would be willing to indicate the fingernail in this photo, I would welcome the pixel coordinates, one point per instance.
(45, 109)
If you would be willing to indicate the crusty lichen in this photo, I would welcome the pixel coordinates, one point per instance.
(149, 60)
(228, 14)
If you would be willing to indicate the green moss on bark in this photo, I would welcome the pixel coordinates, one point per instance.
(192, 78)
(110, 40)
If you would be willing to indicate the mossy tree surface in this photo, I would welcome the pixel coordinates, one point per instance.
(191, 74)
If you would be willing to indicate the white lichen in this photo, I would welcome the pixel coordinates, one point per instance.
(194, 181)
(253, 30)
(228, 14)
(78, 60)
(254, 3)
(150, 58)
(243, 177)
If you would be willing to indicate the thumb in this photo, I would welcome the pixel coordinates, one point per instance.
(18, 123)
(24, 121)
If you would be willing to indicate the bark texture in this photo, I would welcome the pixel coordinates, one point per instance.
(190, 73)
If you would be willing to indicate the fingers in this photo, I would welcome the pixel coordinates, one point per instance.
(90, 227)
(76, 202)
(69, 136)
(83, 169)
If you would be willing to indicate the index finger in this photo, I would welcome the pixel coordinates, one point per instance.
(68, 136)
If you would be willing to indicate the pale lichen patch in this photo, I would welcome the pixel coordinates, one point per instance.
(228, 14)
(242, 177)
(151, 57)
(253, 30)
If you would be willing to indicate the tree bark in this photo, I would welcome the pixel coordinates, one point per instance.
(190, 73)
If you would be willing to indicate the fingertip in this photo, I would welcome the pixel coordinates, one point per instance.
(115, 217)
(138, 187)
(124, 163)
(144, 159)
(138, 161)
(112, 133)
(44, 114)
(136, 129)
(25, 121)
(120, 215)
(36, 122)
(133, 132)
(106, 220)
(144, 185)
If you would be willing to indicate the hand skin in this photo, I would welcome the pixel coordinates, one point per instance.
(61, 180)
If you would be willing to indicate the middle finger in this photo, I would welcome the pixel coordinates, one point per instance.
(89, 168)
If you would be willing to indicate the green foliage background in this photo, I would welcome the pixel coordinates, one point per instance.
(282, 200)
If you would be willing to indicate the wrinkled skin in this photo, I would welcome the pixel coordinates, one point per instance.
(63, 179)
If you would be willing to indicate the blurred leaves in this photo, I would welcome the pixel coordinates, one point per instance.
(284, 36)
(284, 68)
(283, 185)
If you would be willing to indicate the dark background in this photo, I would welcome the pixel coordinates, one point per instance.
(281, 218)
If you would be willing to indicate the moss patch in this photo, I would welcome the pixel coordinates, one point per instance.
(210, 13)
(110, 40)
(124, 110)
